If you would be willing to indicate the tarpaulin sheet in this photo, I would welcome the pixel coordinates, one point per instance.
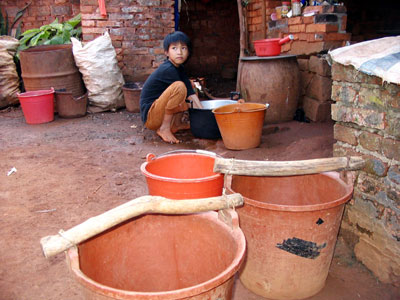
(380, 57)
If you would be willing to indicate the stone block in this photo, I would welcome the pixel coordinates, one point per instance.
(350, 74)
(320, 88)
(345, 134)
(363, 117)
(345, 92)
(393, 124)
(305, 79)
(375, 166)
(381, 258)
(391, 148)
(316, 111)
(303, 64)
(320, 66)
(371, 141)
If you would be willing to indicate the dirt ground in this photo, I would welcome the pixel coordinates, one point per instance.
(71, 169)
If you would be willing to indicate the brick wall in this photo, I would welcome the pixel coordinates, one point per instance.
(40, 12)
(137, 29)
(313, 36)
(367, 115)
(215, 34)
(326, 30)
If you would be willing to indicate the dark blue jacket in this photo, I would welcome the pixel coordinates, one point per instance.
(158, 82)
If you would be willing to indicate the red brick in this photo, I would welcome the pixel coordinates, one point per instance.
(89, 30)
(295, 21)
(305, 48)
(88, 9)
(88, 23)
(311, 8)
(308, 20)
(321, 28)
(297, 28)
(320, 88)
(319, 65)
(315, 110)
(345, 134)
(334, 36)
(302, 36)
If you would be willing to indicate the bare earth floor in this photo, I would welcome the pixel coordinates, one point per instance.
(72, 169)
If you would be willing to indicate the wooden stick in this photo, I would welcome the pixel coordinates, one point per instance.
(287, 168)
(264, 20)
(242, 40)
(54, 244)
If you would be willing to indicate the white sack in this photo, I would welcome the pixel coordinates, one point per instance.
(9, 80)
(97, 61)
(380, 57)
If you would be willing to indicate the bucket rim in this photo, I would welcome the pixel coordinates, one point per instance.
(236, 108)
(300, 208)
(177, 180)
(236, 233)
(36, 93)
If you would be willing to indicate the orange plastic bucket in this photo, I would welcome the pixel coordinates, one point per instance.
(161, 257)
(291, 225)
(37, 106)
(241, 124)
(182, 175)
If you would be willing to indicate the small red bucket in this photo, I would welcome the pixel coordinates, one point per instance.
(182, 174)
(37, 106)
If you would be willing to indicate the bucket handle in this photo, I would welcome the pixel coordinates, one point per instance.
(230, 217)
(54, 244)
(151, 156)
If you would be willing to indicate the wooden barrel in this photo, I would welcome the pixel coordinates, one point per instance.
(274, 80)
(44, 67)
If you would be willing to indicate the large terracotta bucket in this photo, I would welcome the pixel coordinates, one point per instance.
(182, 174)
(161, 257)
(49, 66)
(274, 80)
(291, 226)
(241, 124)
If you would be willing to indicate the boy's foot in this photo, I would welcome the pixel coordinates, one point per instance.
(167, 136)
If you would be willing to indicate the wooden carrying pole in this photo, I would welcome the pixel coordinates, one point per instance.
(287, 168)
(55, 244)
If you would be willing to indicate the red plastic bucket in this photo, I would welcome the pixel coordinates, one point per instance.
(37, 106)
(182, 175)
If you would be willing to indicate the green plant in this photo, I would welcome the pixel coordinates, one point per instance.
(6, 29)
(52, 34)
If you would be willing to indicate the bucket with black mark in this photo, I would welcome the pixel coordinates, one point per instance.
(291, 225)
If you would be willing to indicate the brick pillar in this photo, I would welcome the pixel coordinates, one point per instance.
(367, 115)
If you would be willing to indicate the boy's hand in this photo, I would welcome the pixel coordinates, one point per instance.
(196, 101)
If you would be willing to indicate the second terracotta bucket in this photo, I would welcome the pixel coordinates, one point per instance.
(182, 174)
(291, 225)
(241, 124)
(161, 257)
